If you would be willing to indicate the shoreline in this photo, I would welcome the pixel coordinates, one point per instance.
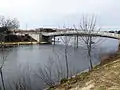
(22, 43)
(81, 77)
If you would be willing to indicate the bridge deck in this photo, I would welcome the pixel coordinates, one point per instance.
(101, 34)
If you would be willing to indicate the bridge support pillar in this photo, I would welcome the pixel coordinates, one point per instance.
(74, 41)
(54, 40)
(40, 38)
(77, 40)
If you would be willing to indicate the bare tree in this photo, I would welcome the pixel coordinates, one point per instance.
(5, 25)
(23, 80)
(66, 41)
(3, 57)
(10, 23)
(4, 53)
(52, 72)
(45, 73)
(88, 37)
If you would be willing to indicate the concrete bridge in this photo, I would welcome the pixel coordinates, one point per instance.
(47, 36)
(81, 33)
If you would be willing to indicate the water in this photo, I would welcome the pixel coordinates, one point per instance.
(26, 60)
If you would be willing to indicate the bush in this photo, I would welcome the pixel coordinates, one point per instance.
(64, 80)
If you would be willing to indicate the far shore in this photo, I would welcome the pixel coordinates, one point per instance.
(21, 43)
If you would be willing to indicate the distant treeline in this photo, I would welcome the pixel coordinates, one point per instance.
(118, 32)
(8, 36)
(19, 38)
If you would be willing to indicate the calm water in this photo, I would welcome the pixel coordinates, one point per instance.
(26, 60)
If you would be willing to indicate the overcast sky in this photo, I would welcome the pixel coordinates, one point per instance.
(56, 13)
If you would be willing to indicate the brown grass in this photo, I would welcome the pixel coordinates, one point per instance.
(105, 76)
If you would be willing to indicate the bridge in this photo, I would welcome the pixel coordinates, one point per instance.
(47, 36)
(82, 33)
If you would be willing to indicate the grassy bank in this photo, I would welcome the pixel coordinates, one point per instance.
(105, 76)
(18, 43)
(21, 43)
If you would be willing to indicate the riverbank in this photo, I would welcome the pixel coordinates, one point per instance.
(105, 76)
(21, 43)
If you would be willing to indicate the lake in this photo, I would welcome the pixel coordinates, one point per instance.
(26, 61)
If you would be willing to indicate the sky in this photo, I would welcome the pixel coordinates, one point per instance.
(58, 13)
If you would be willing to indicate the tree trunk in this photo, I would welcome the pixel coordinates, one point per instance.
(89, 51)
(91, 66)
(66, 61)
(77, 40)
(1, 73)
